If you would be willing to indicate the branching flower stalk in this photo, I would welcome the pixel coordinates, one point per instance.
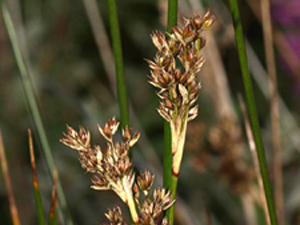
(173, 71)
(113, 170)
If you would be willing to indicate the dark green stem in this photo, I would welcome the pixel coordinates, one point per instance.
(252, 108)
(170, 212)
(168, 158)
(118, 55)
(172, 14)
(33, 106)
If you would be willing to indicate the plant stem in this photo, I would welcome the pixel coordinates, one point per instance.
(170, 213)
(274, 110)
(36, 186)
(33, 105)
(172, 14)
(169, 181)
(167, 156)
(7, 182)
(253, 150)
(252, 108)
(118, 55)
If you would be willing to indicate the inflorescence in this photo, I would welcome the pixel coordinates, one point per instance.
(113, 170)
(173, 71)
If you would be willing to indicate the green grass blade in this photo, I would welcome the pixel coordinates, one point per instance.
(252, 108)
(117, 49)
(33, 105)
(168, 158)
(36, 187)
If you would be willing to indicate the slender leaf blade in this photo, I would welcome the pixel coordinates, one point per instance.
(7, 181)
(33, 105)
(35, 182)
(252, 107)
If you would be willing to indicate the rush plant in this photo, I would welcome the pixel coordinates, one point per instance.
(174, 71)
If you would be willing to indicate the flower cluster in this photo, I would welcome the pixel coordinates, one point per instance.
(177, 82)
(151, 209)
(113, 170)
(115, 217)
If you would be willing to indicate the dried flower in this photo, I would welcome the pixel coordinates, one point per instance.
(145, 181)
(112, 167)
(110, 128)
(151, 210)
(113, 170)
(179, 88)
(115, 217)
(78, 141)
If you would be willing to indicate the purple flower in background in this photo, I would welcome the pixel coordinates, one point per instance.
(286, 14)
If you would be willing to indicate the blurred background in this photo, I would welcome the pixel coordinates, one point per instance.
(66, 46)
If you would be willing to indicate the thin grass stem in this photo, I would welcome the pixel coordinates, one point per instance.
(167, 173)
(255, 159)
(36, 186)
(118, 55)
(170, 182)
(173, 189)
(11, 199)
(102, 41)
(172, 14)
(252, 108)
(274, 110)
(33, 105)
(106, 54)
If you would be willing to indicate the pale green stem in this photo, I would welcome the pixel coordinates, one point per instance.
(130, 200)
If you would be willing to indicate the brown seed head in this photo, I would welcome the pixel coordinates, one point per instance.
(115, 216)
(77, 140)
(145, 181)
(110, 128)
(163, 198)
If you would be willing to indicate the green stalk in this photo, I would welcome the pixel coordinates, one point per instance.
(172, 14)
(252, 108)
(170, 182)
(33, 105)
(167, 156)
(117, 49)
(35, 182)
(173, 189)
